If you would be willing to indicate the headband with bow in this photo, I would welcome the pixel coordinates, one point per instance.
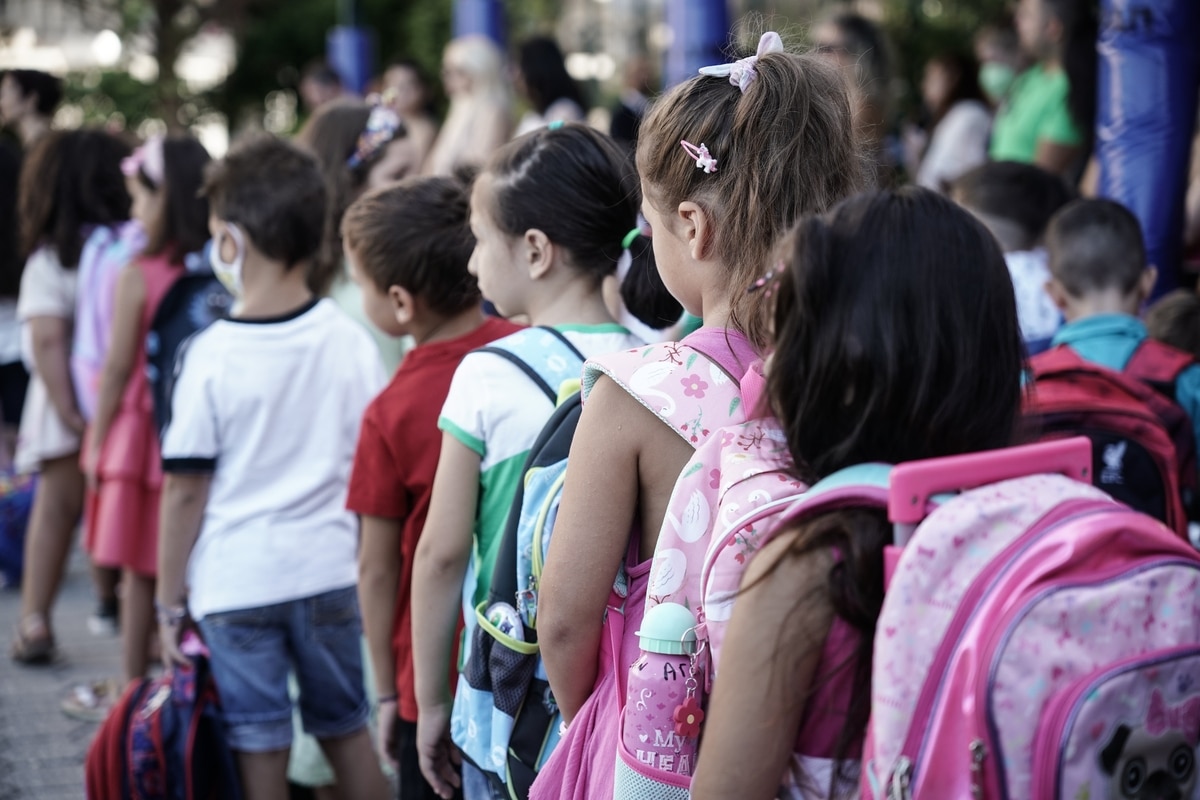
(147, 159)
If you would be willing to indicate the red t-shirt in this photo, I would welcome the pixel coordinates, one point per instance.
(395, 463)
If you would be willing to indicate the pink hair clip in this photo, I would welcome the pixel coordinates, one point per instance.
(704, 159)
(741, 73)
(148, 159)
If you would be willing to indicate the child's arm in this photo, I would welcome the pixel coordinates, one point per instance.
(439, 568)
(119, 362)
(379, 566)
(772, 648)
(617, 451)
(51, 360)
(184, 497)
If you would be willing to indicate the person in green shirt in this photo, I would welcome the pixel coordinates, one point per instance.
(1050, 110)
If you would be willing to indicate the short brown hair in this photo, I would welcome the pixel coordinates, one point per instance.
(274, 191)
(416, 235)
(1095, 245)
(1175, 320)
(785, 148)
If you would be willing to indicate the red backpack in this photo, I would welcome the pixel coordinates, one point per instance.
(1143, 443)
(163, 740)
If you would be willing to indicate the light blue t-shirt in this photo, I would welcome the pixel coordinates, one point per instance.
(1110, 341)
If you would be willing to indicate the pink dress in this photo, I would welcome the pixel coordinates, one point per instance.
(122, 529)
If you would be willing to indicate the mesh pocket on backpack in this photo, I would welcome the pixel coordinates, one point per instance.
(500, 664)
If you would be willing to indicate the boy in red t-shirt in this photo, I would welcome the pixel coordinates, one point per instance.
(407, 246)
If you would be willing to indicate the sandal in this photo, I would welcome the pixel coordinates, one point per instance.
(91, 702)
(32, 650)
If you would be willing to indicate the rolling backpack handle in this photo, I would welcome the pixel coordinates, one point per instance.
(912, 485)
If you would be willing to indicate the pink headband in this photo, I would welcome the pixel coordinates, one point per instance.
(741, 73)
(148, 159)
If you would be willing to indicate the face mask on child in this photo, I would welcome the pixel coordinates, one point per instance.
(229, 273)
(995, 78)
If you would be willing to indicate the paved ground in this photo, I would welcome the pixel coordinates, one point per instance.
(41, 750)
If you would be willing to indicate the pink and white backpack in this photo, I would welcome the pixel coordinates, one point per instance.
(1037, 639)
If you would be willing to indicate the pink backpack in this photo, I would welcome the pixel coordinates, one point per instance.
(1037, 639)
(693, 387)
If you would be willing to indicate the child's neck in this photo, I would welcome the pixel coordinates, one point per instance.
(269, 289)
(31, 128)
(577, 302)
(432, 328)
(1110, 301)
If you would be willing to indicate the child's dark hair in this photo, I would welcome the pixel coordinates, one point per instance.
(545, 74)
(1095, 245)
(1175, 320)
(416, 235)
(47, 87)
(784, 148)
(274, 191)
(331, 134)
(1023, 194)
(963, 71)
(184, 227)
(896, 339)
(643, 292)
(71, 179)
(1080, 21)
(573, 184)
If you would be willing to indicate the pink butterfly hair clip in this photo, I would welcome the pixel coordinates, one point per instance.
(704, 159)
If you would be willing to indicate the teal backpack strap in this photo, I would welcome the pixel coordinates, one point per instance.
(544, 354)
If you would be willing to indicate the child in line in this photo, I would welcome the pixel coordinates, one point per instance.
(106, 252)
(408, 247)
(1100, 281)
(1015, 201)
(895, 339)
(360, 147)
(71, 181)
(256, 458)
(549, 213)
(121, 456)
(766, 154)
(1175, 320)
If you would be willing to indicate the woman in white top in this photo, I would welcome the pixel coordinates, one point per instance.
(962, 120)
(479, 119)
(543, 80)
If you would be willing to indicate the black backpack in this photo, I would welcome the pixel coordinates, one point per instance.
(195, 301)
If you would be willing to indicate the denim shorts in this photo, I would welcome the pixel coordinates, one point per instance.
(252, 651)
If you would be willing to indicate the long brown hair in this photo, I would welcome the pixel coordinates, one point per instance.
(71, 179)
(784, 148)
(896, 339)
(332, 135)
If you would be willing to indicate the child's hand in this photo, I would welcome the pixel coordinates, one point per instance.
(91, 464)
(438, 755)
(385, 731)
(170, 633)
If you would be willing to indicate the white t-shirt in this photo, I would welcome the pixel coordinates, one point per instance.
(494, 409)
(1037, 315)
(272, 408)
(959, 143)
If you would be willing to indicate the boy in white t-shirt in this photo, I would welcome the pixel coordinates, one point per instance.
(256, 459)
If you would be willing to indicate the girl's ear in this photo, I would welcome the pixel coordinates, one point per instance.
(696, 229)
(538, 253)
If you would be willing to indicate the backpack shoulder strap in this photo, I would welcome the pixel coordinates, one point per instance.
(692, 392)
(1159, 365)
(546, 357)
